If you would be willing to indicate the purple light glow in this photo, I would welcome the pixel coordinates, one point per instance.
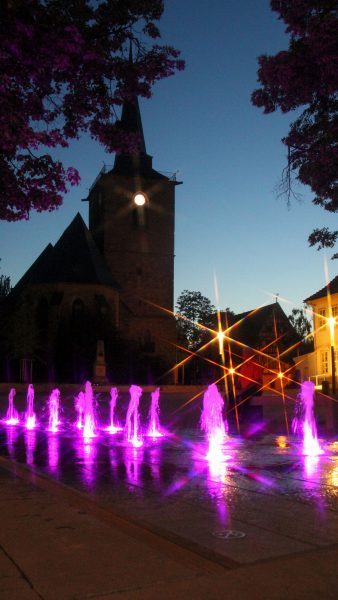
(30, 416)
(132, 418)
(311, 445)
(113, 427)
(79, 404)
(154, 428)
(12, 417)
(86, 451)
(133, 462)
(53, 451)
(12, 435)
(54, 407)
(212, 423)
(30, 438)
(89, 426)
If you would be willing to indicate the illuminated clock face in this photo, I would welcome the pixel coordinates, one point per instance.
(140, 199)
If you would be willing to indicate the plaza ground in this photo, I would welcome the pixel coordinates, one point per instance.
(104, 520)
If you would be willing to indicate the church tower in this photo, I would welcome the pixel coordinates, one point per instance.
(132, 220)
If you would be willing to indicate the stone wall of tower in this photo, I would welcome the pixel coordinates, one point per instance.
(138, 246)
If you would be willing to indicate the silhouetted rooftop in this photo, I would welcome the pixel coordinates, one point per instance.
(74, 259)
(322, 293)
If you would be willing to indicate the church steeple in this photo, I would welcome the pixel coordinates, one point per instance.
(131, 122)
(138, 162)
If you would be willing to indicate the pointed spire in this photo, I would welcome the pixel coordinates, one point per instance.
(131, 122)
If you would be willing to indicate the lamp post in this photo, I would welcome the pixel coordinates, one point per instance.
(333, 365)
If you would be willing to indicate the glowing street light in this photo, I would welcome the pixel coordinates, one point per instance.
(331, 323)
(140, 199)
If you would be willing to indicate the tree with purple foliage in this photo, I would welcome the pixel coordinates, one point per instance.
(306, 76)
(65, 69)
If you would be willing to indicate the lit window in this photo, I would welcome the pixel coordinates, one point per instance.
(325, 362)
(322, 313)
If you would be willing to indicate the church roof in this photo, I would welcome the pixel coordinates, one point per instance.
(332, 287)
(251, 326)
(74, 259)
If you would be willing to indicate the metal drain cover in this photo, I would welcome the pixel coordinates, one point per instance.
(229, 534)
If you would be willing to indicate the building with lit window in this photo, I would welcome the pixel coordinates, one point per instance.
(322, 363)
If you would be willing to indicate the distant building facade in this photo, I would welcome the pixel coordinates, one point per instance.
(266, 329)
(320, 364)
(111, 282)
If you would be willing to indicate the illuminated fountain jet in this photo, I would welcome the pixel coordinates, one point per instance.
(79, 404)
(132, 419)
(113, 427)
(89, 413)
(30, 414)
(54, 409)
(12, 417)
(212, 422)
(304, 421)
(154, 429)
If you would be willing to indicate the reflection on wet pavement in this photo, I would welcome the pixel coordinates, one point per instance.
(265, 488)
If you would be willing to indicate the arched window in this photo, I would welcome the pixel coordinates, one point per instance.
(78, 308)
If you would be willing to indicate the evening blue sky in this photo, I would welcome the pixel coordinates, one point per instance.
(201, 124)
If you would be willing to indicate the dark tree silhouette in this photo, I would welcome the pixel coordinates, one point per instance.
(195, 313)
(5, 285)
(65, 67)
(306, 76)
(300, 322)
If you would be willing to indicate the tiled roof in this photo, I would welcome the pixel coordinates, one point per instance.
(332, 286)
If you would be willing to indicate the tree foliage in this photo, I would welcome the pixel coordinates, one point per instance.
(5, 285)
(306, 76)
(195, 313)
(300, 322)
(64, 69)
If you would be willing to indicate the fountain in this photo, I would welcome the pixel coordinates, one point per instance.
(113, 428)
(154, 429)
(12, 417)
(54, 407)
(89, 413)
(132, 418)
(79, 405)
(212, 422)
(304, 421)
(30, 414)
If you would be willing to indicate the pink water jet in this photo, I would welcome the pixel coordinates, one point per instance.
(212, 422)
(132, 419)
(311, 446)
(154, 429)
(54, 409)
(113, 427)
(12, 417)
(53, 451)
(79, 404)
(30, 414)
(89, 425)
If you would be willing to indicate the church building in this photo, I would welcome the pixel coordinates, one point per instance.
(99, 303)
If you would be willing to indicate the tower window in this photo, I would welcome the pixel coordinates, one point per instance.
(140, 199)
(140, 208)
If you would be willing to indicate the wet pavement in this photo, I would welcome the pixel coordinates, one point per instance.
(264, 500)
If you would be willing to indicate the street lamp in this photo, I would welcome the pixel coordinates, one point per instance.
(331, 322)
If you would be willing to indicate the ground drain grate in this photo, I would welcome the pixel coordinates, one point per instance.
(229, 534)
